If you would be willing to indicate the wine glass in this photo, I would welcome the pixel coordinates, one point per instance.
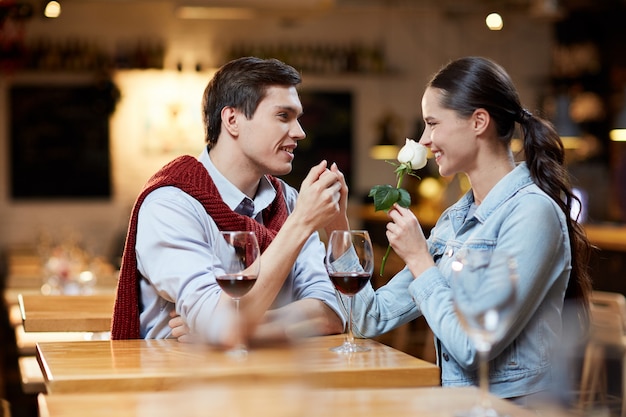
(239, 254)
(350, 263)
(484, 290)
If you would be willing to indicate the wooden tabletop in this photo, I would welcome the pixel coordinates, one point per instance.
(66, 313)
(117, 365)
(27, 341)
(273, 401)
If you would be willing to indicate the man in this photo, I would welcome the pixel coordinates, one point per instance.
(251, 109)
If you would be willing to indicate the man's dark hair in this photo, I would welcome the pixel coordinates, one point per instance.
(242, 84)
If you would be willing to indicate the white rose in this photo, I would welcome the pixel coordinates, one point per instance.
(414, 154)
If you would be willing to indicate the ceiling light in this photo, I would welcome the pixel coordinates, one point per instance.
(494, 21)
(52, 9)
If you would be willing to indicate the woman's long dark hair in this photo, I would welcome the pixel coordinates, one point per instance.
(471, 83)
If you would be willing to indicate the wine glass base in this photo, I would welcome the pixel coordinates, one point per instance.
(479, 411)
(238, 353)
(347, 347)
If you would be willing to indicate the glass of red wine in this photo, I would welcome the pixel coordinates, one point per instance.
(240, 257)
(350, 263)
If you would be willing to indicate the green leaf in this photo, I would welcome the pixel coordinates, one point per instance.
(405, 198)
(375, 189)
(392, 196)
(384, 196)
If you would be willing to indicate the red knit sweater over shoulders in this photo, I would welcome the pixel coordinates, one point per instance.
(188, 174)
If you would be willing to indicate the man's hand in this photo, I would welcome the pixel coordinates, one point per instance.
(302, 318)
(320, 197)
(180, 330)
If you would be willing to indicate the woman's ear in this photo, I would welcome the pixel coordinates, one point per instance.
(480, 120)
(229, 120)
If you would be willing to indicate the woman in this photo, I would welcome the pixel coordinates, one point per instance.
(471, 109)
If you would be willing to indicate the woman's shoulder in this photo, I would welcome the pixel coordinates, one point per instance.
(532, 204)
(533, 194)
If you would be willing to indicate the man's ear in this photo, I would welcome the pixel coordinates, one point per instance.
(480, 120)
(229, 120)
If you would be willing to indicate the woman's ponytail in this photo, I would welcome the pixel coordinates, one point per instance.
(545, 158)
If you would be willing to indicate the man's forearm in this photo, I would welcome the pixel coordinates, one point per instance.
(302, 318)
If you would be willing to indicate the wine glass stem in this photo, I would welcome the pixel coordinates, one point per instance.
(349, 334)
(240, 338)
(483, 375)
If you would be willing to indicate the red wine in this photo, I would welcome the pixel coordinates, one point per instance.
(236, 285)
(349, 283)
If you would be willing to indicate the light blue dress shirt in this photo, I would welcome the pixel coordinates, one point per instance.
(515, 217)
(175, 237)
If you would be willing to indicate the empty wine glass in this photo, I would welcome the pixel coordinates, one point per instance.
(349, 262)
(239, 254)
(484, 288)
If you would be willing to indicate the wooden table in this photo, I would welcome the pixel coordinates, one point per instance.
(30, 375)
(118, 365)
(66, 313)
(27, 341)
(274, 401)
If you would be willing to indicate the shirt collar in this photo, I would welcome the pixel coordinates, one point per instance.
(233, 196)
(502, 191)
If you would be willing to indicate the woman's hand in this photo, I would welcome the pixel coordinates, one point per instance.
(340, 221)
(406, 237)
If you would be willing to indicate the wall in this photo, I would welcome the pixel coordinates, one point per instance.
(416, 42)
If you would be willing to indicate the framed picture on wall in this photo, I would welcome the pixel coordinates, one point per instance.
(59, 140)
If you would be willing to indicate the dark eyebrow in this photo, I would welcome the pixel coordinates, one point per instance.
(290, 109)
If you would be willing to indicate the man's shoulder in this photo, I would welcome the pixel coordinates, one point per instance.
(170, 196)
(290, 193)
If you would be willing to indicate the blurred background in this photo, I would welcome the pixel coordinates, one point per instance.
(96, 95)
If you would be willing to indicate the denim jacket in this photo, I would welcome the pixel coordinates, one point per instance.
(519, 218)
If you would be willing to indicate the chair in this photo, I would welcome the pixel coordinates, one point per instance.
(5, 408)
(607, 332)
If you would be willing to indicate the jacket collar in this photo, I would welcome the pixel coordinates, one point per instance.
(500, 193)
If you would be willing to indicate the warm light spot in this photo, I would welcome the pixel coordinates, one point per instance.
(215, 13)
(618, 135)
(384, 152)
(86, 277)
(429, 188)
(53, 9)
(571, 142)
(494, 21)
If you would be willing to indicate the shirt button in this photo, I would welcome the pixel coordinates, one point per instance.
(450, 252)
(446, 357)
